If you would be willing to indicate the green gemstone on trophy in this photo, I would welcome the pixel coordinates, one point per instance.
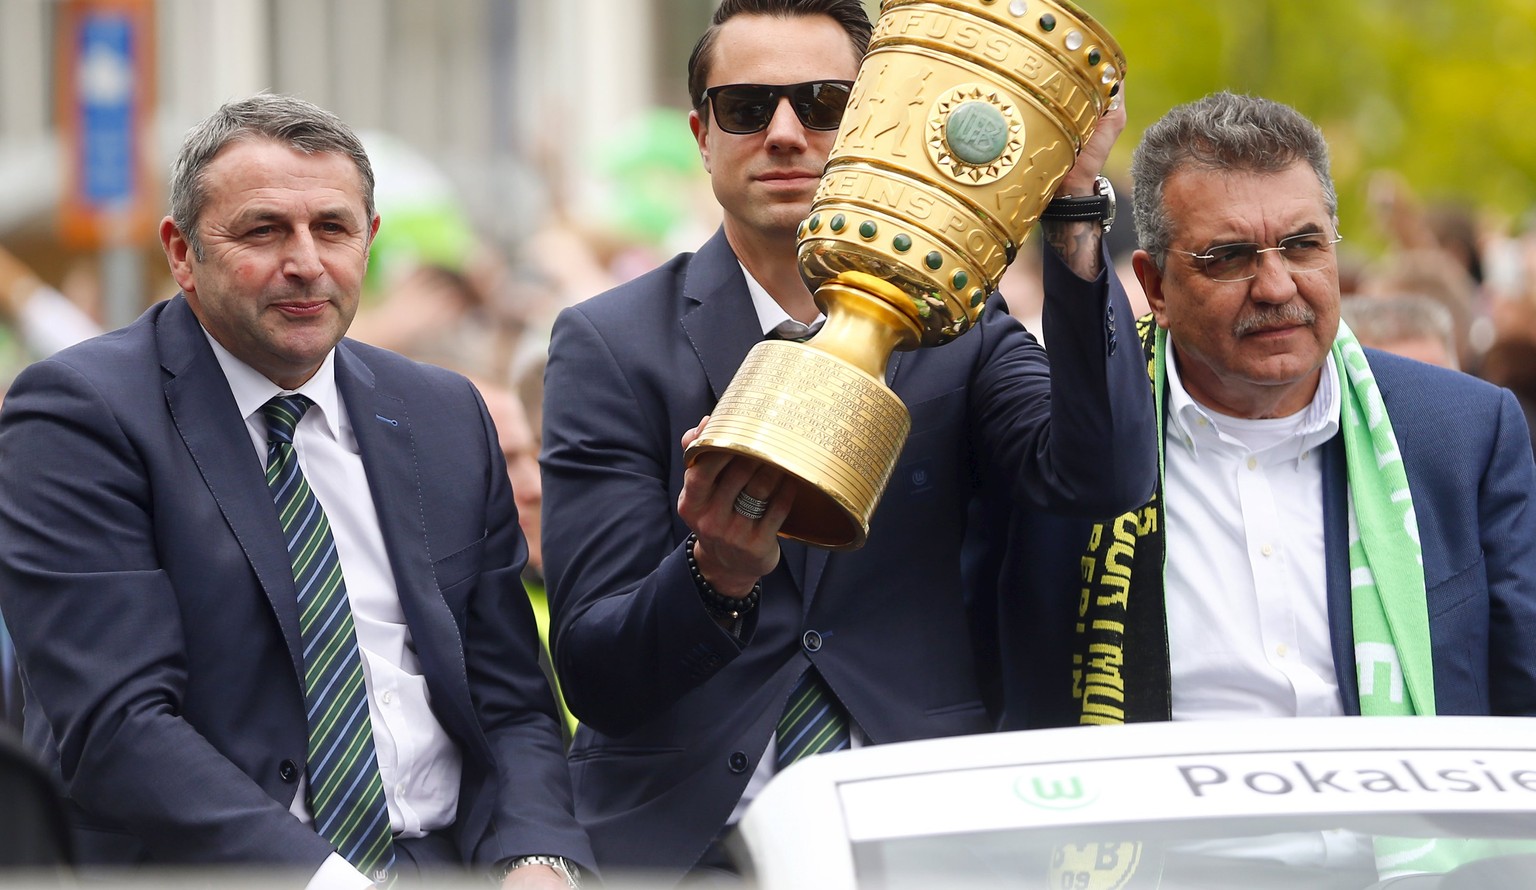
(978, 296)
(977, 132)
(800, 229)
(815, 221)
(1048, 22)
(838, 222)
(934, 259)
(961, 280)
(902, 243)
(1094, 57)
(868, 229)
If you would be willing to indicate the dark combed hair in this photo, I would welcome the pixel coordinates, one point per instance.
(849, 14)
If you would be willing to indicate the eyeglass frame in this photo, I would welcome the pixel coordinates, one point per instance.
(776, 91)
(1254, 263)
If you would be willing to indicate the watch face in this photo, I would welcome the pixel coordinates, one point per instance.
(1105, 189)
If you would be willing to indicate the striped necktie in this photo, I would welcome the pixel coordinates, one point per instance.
(814, 721)
(345, 791)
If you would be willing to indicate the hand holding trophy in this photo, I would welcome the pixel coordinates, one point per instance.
(964, 118)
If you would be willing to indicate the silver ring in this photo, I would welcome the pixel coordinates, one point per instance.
(749, 506)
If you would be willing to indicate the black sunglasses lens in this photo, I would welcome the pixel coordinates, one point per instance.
(747, 108)
(820, 106)
(744, 109)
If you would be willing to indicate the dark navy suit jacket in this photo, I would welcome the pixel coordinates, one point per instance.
(145, 579)
(676, 712)
(1466, 447)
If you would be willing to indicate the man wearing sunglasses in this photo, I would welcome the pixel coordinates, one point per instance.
(1338, 530)
(682, 622)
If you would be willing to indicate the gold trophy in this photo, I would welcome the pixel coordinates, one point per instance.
(965, 116)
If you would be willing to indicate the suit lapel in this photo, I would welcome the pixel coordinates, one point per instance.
(721, 326)
(387, 443)
(718, 317)
(209, 423)
(1341, 620)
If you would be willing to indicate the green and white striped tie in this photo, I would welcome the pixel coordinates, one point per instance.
(345, 791)
(814, 721)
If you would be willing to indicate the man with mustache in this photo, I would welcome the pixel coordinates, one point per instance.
(684, 624)
(265, 581)
(1337, 530)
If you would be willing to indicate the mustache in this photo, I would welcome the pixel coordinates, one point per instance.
(1280, 316)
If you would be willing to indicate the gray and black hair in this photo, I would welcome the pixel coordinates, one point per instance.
(849, 14)
(298, 124)
(1221, 132)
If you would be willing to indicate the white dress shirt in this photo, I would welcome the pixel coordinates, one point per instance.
(418, 763)
(1246, 583)
(771, 316)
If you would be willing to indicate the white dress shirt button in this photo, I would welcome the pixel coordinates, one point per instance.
(1253, 463)
(1267, 550)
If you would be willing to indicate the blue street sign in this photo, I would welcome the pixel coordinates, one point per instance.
(105, 90)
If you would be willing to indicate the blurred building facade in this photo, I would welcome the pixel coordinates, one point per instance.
(508, 97)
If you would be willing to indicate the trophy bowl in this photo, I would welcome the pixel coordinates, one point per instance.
(964, 118)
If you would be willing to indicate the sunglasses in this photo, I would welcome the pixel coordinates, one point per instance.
(743, 108)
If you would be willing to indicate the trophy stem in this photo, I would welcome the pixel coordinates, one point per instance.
(863, 328)
(820, 412)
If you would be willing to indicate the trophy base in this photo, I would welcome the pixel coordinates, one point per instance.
(833, 427)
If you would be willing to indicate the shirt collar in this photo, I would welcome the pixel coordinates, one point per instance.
(1190, 421)
(252, 389)
(769, 313)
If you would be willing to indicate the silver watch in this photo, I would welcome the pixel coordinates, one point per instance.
(562, 866)
(1098, 207)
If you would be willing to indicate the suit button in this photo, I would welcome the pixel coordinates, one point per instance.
(739, 762)
(288, 771)
(1112, 344)
(811, 641)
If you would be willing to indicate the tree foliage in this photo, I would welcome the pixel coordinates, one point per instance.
(1440, 92)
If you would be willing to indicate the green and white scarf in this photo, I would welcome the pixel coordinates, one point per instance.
(1386, 563)
(1120, 666)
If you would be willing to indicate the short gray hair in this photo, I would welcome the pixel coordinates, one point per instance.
(1222, 132)
(300, 125)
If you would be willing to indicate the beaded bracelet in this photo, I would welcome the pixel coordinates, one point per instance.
(717, 604)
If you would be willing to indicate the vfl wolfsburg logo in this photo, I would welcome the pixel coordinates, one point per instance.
(1054, 793)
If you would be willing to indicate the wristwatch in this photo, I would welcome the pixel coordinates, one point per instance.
(562, 866)
(1098, 206)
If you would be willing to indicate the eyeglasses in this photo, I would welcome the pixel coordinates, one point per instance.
(743, 108)
(1240, 262)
